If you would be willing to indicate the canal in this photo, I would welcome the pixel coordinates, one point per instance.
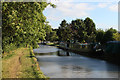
(57, 63)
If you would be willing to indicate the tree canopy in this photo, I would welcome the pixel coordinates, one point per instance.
(100, 36)
(78, 30)
(109, 35)
(23, 23)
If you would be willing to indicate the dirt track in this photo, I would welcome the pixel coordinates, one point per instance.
(13, 64)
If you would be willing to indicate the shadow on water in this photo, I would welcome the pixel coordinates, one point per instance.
(43, 54)
(64, 54)
(58, 53)
(61, 52)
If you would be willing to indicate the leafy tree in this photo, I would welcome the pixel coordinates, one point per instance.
(116, 36)
(90, 29)
(109, 35)
(53, 36)
(62, 30)
(78, 28)
(23, 24)
(48, 30)
(100, 35)
(63, 24)
(68, 33)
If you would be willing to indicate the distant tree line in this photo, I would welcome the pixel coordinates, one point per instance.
(108, 35)
(80, 30)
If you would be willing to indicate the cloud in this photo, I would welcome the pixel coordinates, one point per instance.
(78, 10)
(68, 9)
(71, 10)
(102, 5)
(109, 6)
(114, 7)
(53, 18)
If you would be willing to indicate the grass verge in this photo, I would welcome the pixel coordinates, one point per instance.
(21, 63)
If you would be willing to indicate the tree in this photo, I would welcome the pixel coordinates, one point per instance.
(100, 35)
(90, 29)
(23, 24)
(62, 30)
(78, 28)
(116, 36)
(63, 24)
(48, 30)
(109, 35)
(67, 33)
(53, 36)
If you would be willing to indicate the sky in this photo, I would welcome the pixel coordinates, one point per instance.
(104, 13)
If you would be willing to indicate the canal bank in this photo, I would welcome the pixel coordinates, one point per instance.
(21, 63)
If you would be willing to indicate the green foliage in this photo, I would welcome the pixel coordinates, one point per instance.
(100, 35)
(51, 35)
(23, 24)
(90, 26)
(85, 31)
(7, 56)
(64, 31)
(54, 6)
(9, 47)
(116, 36)
(48, 30)
(90, 29)
(109, 35)
(63, 24)
(77, 30)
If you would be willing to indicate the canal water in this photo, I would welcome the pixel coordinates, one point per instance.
(57, 63)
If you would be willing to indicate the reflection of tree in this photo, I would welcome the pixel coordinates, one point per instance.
(67, 53)
(60, 53)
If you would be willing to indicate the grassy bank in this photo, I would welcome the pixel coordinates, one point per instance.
(20, 63)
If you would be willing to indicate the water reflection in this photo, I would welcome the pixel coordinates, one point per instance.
(65, 64)
(66, 53)
(60, 53)
(45, 49)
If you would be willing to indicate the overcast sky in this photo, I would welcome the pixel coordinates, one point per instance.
(104, 13)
